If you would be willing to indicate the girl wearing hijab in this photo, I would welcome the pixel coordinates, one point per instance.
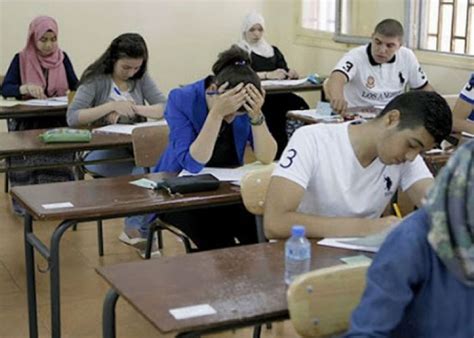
(39, 71)
(270, 64)
(421, 282)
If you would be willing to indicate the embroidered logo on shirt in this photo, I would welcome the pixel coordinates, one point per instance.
(370, 82)
(388, 184)
(400, 76)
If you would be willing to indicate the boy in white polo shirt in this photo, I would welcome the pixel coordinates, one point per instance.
(337, 179)
(373, 74)
(463, 112)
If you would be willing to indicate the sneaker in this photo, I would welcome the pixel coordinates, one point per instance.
(133, 238)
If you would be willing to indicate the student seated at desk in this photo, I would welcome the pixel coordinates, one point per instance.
(40, 70)
(373, 74)
(211, 121)
(338, 178)
(421, 282)
(270, 64)
(463, 112)
(112, 90)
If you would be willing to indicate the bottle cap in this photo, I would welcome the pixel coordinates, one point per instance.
(298, 230)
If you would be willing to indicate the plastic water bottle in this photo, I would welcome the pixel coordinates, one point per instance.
(297, 254)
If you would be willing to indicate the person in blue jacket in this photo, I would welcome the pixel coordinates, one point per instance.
(421, 282)
(211, 121)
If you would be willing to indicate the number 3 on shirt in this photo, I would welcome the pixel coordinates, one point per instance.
(348, 66)
(291, 154)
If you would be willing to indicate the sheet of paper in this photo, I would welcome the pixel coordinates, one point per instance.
(359, 259)
(127, 128)
(192, 311)
(51, 102)
(466, 134)
(60, 205)
(369, 243)
(271, 83)
(8, 103)
(312, 113)
(144, 183)
(225, 174)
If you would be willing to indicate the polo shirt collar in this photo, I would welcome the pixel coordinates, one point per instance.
(371, 58)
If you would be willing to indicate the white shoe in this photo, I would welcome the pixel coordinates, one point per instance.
(132, 237)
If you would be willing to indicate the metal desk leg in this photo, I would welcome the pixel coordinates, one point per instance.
(108, 314)
(30, 278)
(6, 180)
(151, 234)
(55, 279)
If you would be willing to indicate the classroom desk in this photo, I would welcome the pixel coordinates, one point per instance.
(20, 111)
(308, 120)
(243, 284)
(27, 142)
(304, 87)
(94, 200)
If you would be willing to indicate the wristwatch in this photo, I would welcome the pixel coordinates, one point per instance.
(258, 121)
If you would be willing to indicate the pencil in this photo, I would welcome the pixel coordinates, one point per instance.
(397, 210)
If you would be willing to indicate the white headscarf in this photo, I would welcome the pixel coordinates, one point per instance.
(262, 47)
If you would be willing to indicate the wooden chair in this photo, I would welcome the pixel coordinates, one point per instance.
(253, 187)
(149, 143)
(320, 302)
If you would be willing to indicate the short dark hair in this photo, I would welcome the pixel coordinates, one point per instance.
(128, 45)
(422, 109)
(234, 66)
(390, 28)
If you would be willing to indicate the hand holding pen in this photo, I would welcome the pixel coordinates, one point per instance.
(122, 106)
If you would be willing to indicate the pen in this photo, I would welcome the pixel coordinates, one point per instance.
(117, 91)
(397, 210)
(213, 92)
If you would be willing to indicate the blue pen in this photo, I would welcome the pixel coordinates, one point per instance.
(213, 92)
(117, 91)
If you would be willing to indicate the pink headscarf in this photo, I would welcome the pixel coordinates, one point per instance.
(32, 62)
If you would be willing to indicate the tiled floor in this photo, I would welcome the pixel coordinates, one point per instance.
(82, 290)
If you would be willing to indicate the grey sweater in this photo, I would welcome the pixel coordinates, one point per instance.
(96, 92)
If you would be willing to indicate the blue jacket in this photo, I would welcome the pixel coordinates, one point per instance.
(12, 81)
(186, 112)
(410, 293)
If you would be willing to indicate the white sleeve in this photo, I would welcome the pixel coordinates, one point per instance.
(412, 172)
(298, 161)
(467, 93)
(347, 65)
(416, 76)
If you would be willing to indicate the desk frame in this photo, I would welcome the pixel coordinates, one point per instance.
(51, 253)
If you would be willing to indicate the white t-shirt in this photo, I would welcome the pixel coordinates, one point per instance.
(373, 84)
(467, 94)
(320, 158)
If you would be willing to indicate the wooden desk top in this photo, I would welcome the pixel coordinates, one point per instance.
(239, 283)
(304, 87)
(27, 141)
(113, 197)
(21, 110)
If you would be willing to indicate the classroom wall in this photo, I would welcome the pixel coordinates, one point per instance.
(183, 36)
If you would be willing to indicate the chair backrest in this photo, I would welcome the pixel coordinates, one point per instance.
(451, 99)
(148, 144)
(320, 302)
(253, 188)
(70, 96)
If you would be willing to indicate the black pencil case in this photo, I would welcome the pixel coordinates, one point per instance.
(189, 184)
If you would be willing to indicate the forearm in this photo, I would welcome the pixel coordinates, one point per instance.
(278, 225)
(334, 87)
(89, 115)
(463, 125)
(264, 145)
(203, 147)
(154, 111)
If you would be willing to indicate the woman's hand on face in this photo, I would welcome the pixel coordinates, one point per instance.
(277, 74)
(253, 101)
(229, 101)
(124, 108)
(34, 91)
